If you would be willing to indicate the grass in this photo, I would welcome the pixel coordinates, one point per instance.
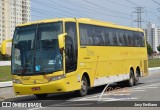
(5, 73)
(154, 63)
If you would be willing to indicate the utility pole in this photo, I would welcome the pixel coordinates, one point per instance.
(139, 11)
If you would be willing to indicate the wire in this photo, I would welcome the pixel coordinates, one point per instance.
(132, 2)
(44, 4)
(102, 7)
(93, 10)
(119, 4)
(144, 9)
(156, 2)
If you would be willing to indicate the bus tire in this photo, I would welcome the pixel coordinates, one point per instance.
(41, 96)
(84, 87)
(130, 82)
(136, 79)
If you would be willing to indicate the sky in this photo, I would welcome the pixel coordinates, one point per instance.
(122, 12)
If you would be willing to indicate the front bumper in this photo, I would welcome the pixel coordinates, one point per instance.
(50, 87)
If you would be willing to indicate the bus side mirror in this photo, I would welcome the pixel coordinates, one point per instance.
(4, 46)
(61, 40)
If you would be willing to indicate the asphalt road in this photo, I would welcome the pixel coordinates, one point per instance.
(147, 90)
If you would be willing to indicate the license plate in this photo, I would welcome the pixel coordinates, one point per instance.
(36, 88)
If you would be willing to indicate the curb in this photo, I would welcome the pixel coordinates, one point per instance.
(6, 84)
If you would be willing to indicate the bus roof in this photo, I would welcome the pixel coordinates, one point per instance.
(85, 21)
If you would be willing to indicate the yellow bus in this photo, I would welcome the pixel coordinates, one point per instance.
(75, 54)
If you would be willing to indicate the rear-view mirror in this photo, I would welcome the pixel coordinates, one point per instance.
(61, 40)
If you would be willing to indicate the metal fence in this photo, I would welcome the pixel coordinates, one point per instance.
(154, 70)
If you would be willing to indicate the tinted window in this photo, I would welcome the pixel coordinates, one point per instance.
(86, 35)
(141, 39)
(115, 40)
(71, 47)
(97, 33)
(121, 39)
(100, 36)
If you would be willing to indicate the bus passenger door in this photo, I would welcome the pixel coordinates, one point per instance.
(71, 47)
(71, 53)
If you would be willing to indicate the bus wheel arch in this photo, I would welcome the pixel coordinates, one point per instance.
(85, 74)
(85, 84)
(138, 70)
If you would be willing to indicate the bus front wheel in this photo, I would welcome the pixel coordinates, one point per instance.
(84, 87)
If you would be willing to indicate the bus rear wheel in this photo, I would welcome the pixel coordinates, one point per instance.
(84, 87)
(131, 80)
(136, 79)
(41, 96)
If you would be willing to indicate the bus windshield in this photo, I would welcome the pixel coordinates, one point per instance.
(35, 49)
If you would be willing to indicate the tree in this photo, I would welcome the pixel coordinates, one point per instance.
(149, 49)
(158, 48)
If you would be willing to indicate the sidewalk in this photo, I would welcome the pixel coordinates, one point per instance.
(6, 93)
(6, 84)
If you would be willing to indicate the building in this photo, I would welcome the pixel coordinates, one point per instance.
(153, 36)
(12, 12)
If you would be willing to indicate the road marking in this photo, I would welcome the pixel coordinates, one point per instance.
(147, 86)
(86, 97)
(138, 90)
(36, 108)
(107, 99)
(151, 87)
(73, 104)
(132, 98)
(91, 99)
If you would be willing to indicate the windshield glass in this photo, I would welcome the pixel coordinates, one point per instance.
(35, 49)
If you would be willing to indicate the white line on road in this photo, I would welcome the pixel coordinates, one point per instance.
(36, 108)
(138, 90)
(143, 87)
(107, 99)
(73, 104)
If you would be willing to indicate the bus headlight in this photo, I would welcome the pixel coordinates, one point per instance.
(57, 77)
(17, 81)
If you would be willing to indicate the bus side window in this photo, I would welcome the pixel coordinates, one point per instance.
(89, 35)
(136, 37)
(125, 39)
(107, 38)
(121, 39)
(95, 35)
(83, 34)
(129, 40)
(132, 39)
(111, 40)
(115, 38)
(142, 42)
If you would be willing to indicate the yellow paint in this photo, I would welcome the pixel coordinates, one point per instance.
(96, 61)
